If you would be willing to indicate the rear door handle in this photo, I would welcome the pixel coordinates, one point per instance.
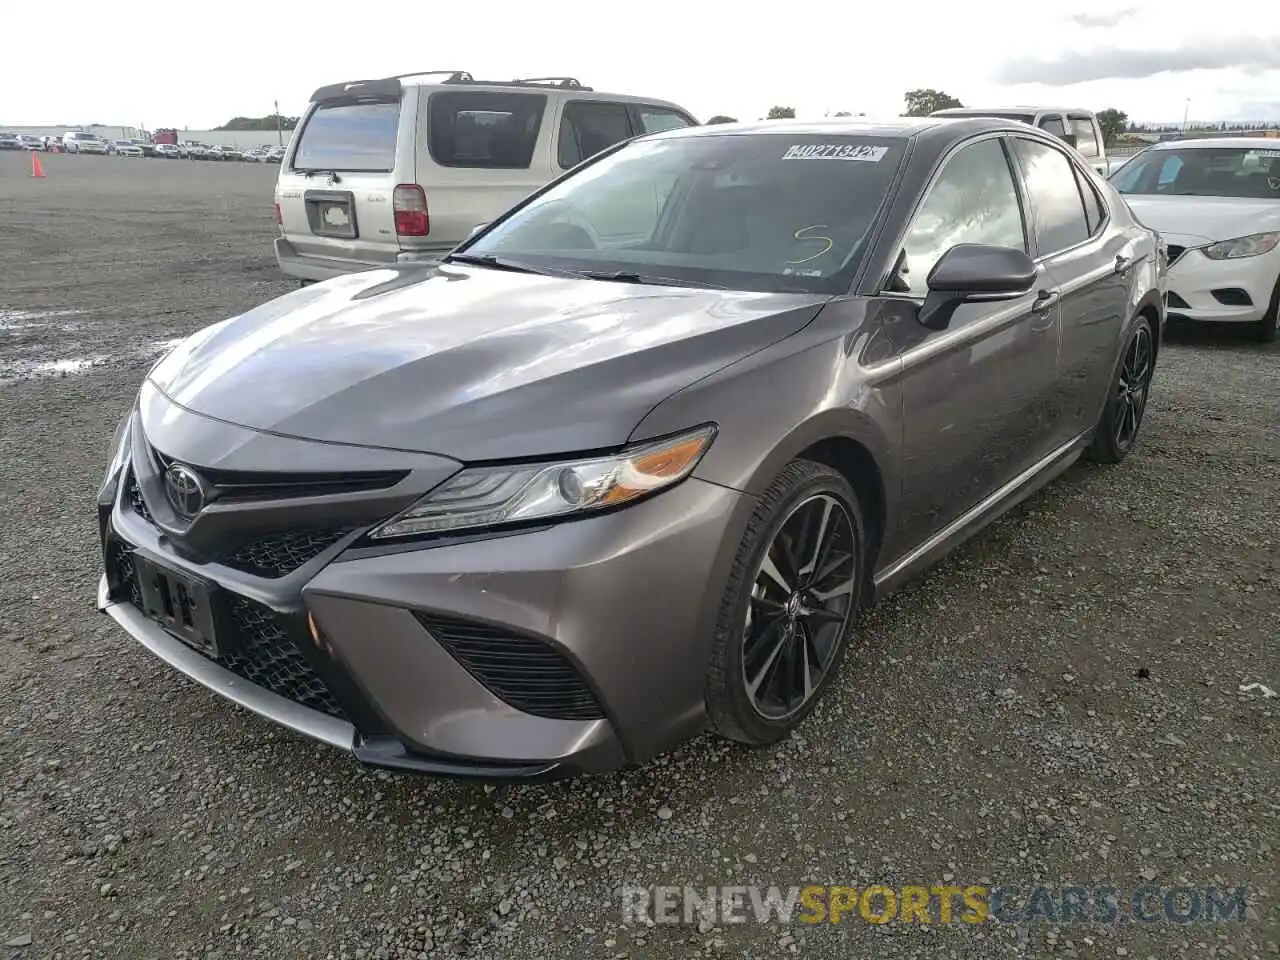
(1123, 263)
(1045, 299)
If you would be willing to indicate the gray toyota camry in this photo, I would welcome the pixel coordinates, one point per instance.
(627, 464)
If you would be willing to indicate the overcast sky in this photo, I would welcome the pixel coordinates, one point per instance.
(159, 64)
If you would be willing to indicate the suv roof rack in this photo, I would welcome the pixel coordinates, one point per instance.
(391, 86)
(571, 83)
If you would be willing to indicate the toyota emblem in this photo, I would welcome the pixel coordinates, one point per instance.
(185, 490)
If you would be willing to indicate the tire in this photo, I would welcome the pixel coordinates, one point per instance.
(1117, 431)
(1266, 330)
(797, 500)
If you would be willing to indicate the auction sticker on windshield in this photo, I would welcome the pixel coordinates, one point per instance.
(835, 151)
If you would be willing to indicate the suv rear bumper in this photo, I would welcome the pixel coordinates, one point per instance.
(294, 264)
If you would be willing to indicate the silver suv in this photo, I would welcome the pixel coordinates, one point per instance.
(402, 169)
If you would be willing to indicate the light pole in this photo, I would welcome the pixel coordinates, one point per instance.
(1186, 111)
(279, 134)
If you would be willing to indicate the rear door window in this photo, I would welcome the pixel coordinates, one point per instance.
(1094, 210)
(359, 136)
(486, 130)
(1055, 196)
(589, 126)
(1086, 139)
(657, 119)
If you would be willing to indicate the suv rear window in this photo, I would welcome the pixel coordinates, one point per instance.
(349, 136)
(486, 130)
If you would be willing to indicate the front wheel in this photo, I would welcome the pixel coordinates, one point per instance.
(789, 607)
(1117, 431)
(1266, 331)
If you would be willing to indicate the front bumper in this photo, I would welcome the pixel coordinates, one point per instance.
(573, 648)
(303, 267)
(1221, 291)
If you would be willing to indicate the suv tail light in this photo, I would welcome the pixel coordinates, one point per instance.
(409, 202)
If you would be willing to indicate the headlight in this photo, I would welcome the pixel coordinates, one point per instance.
(498, 496)
(1254, 245)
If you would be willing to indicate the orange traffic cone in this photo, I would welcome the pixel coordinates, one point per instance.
(37, 169)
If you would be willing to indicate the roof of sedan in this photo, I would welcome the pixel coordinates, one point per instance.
(904, 127)
(1242, 143)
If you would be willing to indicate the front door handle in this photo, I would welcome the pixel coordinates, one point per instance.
(1045, 299)
(1122, 263)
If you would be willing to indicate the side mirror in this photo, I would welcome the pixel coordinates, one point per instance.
(974, 272)
(476, 229)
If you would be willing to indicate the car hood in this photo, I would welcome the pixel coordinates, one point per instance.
(472, 363)
(1207, 218)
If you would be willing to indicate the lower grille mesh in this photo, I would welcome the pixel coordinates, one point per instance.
(526, 672)
(281, 554)
(260, 647)
(264, 654)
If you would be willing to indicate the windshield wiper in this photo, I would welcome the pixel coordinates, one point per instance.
(501, 263)
(312, 171)
(630, 276)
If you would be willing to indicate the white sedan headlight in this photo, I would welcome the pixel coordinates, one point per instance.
(522, 493)
(1254, 245)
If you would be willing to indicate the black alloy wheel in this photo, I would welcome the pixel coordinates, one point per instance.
(1117, 432)
(789, 607)
(800, 603)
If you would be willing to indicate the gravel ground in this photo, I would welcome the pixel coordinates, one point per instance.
(1059, 702)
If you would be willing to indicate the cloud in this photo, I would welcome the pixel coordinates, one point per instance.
(1093, 21)
(1249, 54)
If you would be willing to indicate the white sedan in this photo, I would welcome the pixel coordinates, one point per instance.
(127, 148)
(1216, 204)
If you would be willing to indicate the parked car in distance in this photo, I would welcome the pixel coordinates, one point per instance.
(1075, 125)
(630, 460)
(10, 141)
(1216, 203)
(226, 153)
(400, 170)
(29, 142)
(126, 148)
(81, 142)
(274, 155)
(254, 156)
(168, 151)
(200, 151)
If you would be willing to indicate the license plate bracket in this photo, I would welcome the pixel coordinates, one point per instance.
(332, 213)
(179, 602)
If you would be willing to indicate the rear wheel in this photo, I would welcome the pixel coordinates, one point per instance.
(1117, 431)
(1266, 331)
(788, 610)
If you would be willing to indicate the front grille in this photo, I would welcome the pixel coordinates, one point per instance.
(1173, 300)
(525, 672)
(134, 495)
(1175, 251)
(257, 643)
(265, 654)
(280, 554)
(241, 485)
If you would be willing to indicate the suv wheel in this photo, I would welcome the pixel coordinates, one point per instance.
(789, 608)
(1117, 431)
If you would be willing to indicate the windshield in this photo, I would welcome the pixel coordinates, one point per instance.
(772, 212)
(1203, 172)
(85, 136)
(350, 137)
